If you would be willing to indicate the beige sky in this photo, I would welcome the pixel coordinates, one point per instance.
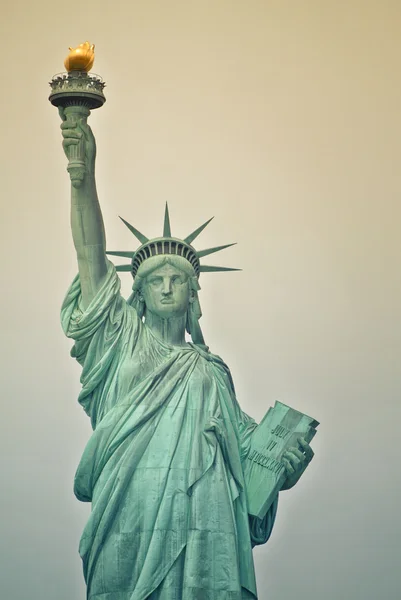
(282, 119)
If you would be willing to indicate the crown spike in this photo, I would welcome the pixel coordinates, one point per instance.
(128, 254)
(166, 228)
(211, 250)
(207, 269)
(123, 267)
(142, 238)
(195, 233)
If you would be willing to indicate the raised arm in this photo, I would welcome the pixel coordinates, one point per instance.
(86, 217)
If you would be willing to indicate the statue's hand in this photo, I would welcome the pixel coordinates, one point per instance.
(295, 462)
(77, 131)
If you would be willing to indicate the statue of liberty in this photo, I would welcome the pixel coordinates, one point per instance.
(164, 466)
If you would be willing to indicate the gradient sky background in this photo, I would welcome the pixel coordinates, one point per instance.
(282, 119)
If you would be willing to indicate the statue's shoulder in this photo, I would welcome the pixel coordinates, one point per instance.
(204, 351)
(217, 361)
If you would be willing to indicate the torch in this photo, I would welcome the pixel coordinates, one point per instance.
(77, 93)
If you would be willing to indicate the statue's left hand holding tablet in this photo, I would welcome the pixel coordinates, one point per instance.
(295, 461)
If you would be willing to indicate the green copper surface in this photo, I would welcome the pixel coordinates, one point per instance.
(190, 238)
(142, 238)
(164, 467)
(167, 227)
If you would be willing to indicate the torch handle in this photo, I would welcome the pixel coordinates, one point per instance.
(76, 164)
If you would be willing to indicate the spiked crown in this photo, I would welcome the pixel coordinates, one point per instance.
(168, 245)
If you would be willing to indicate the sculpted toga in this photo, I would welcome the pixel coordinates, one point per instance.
(163, 468)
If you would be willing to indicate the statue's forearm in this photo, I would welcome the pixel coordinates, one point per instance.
(89, 238)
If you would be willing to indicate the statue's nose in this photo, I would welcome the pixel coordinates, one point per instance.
(166, 286)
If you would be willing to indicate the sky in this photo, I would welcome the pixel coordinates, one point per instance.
(282, 120)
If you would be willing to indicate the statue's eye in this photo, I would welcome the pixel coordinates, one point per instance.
(155, 281)
(178, 279)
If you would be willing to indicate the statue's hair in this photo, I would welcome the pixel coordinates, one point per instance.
(155, 262)
(194, 310)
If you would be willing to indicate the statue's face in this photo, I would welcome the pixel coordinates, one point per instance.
(166, 292)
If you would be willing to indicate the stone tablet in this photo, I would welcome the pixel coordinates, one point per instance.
(264, 471)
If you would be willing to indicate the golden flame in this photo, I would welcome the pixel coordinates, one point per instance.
(80, 58)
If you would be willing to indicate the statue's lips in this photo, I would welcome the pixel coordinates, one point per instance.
(167, 301)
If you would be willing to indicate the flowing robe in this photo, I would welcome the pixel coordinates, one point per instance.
(163, 467)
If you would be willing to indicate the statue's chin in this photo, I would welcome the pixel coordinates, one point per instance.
(167, 311)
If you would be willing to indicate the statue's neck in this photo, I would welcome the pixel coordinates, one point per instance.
(171, 330)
